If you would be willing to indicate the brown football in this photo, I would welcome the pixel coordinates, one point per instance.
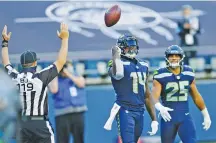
(112, 15)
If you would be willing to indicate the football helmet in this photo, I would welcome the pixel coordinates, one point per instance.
(128, 45)
(174, 49)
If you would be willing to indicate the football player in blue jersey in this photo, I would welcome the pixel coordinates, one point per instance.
(129, 77)
(174, 83)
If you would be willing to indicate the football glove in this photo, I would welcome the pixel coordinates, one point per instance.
(154, 127)
(164, 111)
(207, 120)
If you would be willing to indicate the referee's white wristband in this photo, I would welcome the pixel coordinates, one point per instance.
(158, 106)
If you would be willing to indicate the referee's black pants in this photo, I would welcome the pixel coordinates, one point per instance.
(70, 123)
(35, 130)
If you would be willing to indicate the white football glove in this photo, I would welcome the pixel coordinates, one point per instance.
(164, 111)
(154, 127)
(207, 120)
(116, 51)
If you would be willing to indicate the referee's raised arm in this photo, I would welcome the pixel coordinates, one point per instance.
(34, 122)
(5, 38)
(62, 55)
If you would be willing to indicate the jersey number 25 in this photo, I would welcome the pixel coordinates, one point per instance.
(177, 87)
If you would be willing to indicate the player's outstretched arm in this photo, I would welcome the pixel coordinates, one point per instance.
(198, 100)
(151, 110)
(5, 38)
(62, 55)
(117, 69)
(156, 92)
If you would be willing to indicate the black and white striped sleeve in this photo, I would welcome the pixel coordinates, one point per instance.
(11, 71)
(47, 74)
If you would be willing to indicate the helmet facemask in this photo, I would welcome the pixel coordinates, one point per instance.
(129, 47)
(131, 52)
(174, 64)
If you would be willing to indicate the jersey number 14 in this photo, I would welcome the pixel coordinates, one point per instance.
(138, 78)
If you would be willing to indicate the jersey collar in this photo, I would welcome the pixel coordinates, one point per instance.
(134, 60)
(30, 69)
(181, 70)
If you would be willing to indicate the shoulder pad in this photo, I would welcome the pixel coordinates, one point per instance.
(159, 70)
(188, 68)
(155, 72)
(143, 62)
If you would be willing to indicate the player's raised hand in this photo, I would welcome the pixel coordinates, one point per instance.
(116, 51)
(64, 33)
(6, 36)
(154, 127)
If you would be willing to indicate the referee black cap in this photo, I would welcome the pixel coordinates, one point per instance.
(28, 57)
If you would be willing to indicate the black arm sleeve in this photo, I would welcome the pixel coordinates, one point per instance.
(48, 74)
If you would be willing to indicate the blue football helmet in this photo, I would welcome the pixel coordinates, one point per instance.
(174, 49)
(128, 41)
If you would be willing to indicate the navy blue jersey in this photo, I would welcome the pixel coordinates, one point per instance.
(175, 88)
(130, 90)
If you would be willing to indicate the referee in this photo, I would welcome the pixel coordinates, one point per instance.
(34, 125)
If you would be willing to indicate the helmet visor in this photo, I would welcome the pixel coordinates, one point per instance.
(131, 43)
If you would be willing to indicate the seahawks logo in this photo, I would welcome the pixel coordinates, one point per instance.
(83, 17)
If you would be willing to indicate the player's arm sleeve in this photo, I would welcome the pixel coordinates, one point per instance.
(48, 74)
(116, 69)
(11, 71)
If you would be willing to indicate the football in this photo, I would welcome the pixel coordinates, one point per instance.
(112, 15)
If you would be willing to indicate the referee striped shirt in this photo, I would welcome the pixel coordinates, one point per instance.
(33, 88)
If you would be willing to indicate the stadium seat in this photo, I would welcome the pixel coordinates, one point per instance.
(155, 63)
(213, 66)
(102, 68)
(80, 68)
(213, 63)
(162, 64)
(198, 64)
